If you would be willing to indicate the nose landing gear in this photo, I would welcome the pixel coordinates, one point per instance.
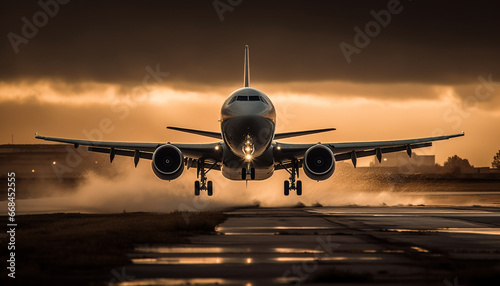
(248, 171)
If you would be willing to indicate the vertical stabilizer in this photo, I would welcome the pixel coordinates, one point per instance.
(247, 68)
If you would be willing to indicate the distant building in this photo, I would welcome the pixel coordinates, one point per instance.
(401, 159)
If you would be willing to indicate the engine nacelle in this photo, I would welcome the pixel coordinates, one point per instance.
(319, 162)
(168, 162)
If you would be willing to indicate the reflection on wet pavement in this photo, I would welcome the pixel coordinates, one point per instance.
(490, 231)
(190, 249)
(207, 281)
(419, 249)
(248, 260)
(472, 230)
(267, 230)
(394, 245)
(173, 282)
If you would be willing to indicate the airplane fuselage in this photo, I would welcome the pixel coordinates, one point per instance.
(248, 122)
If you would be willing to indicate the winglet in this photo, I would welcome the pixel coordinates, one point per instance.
(247, 68)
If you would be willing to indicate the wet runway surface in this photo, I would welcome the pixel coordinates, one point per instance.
(417, 245)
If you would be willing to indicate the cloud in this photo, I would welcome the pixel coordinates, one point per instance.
(113, 41)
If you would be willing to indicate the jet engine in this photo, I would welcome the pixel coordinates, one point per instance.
(319, 162)
(168, 162)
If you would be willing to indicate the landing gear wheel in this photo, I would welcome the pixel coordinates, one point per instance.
(210, 190)
(291, 184)
(243, 173)
(252, 173)
(299, 188)
(197, 188)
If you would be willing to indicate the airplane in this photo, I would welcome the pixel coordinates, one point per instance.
(248, 147)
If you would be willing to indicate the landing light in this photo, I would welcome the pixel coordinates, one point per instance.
(217, 147)
(279, 147)
(54, 162)
(248, 156)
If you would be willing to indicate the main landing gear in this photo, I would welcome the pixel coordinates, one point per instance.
(291, 184)
(202, 183)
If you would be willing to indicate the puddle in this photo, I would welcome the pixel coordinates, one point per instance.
(193, 260)
(168, 281)
(488, 231)
(249, 233)
(266, 230)
(208, 281)
(226, 250)
(161, 249)
(329, 258)
(296, 250)
(420, 249)
(477, 230)
(246, 260)
(398, 211)
(222, 228)
(382, 251)
(393, 251)
(188, 255)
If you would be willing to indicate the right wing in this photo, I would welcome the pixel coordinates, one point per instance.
(354, 150)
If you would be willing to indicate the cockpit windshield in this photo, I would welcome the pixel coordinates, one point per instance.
(248, 98)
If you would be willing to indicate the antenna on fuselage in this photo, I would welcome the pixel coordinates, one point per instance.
(247, 68)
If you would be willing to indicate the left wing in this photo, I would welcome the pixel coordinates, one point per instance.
(354, 150)
(141, 150)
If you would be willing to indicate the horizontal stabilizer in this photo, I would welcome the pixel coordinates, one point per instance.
(300, 133)
(211, 134)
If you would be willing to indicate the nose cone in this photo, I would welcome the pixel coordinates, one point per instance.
(248, 101)
(248, 135)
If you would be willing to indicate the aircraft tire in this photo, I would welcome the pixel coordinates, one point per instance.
(287, 188)
(210, 189)
(197, 188)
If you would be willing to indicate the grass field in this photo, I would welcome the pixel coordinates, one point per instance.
(82, 249)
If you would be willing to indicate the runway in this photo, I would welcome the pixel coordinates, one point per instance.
(415, 245)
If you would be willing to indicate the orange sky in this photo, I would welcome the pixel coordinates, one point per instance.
(40, 107)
